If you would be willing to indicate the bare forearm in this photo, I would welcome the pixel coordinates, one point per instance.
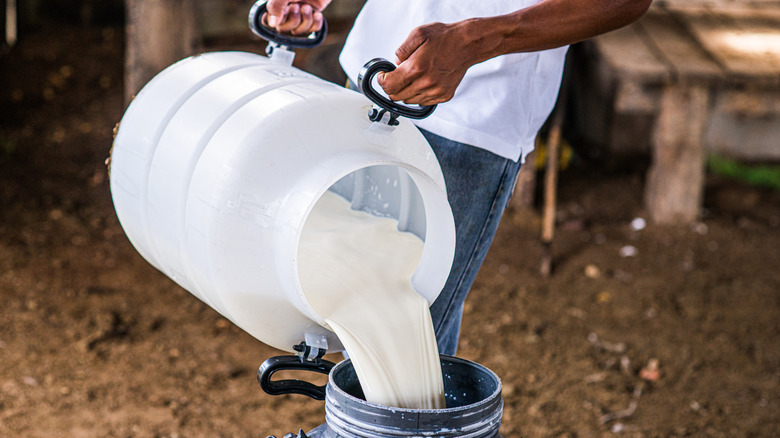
(434, 57)
(550, 24)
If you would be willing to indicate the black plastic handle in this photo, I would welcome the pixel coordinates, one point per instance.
(303, 42)
(365, 83)
(292, 386)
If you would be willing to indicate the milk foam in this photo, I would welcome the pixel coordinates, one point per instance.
(355, 271)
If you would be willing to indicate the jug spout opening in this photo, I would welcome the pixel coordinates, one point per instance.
(419, 204)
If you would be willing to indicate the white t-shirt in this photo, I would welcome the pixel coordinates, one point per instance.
(500, 104)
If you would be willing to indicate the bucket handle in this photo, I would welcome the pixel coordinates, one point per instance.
(292, 386)
(365, 83)
(256, 14)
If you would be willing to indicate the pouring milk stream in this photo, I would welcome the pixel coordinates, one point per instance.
(355, 270)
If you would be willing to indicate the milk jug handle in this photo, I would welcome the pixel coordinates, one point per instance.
(256, 13)
(292, 386)
(365, 83)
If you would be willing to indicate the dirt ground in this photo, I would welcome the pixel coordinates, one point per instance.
(95, 342)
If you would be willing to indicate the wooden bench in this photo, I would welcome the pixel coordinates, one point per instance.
(684, 67)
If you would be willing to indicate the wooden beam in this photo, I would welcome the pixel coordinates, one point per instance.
(688, 60)
(740, 44)
(626, 52)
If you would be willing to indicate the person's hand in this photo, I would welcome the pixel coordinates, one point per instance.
(300, 17)
(431, 64)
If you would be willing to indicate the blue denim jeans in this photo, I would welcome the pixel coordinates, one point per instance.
(479, 185)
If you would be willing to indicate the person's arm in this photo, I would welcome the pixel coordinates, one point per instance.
(434, 58)
(298, 17)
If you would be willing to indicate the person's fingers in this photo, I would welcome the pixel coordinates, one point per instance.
(422, 97)
(318, 20)
(413, 97)
(426, 98)
(423, 91)
(292, 20)
(306, 13)
(396, 81)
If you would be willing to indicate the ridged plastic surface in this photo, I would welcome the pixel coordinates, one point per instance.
(218, 161)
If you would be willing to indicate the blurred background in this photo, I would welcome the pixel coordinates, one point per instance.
(641, 300)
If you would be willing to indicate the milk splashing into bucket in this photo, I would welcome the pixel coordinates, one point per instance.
(355, 270)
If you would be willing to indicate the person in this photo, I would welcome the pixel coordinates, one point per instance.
(497, 67)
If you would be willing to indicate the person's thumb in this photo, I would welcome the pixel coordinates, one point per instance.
(410, 44)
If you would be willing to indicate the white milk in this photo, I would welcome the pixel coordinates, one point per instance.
(355, 271)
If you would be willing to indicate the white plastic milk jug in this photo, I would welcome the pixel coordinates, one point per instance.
(220, 158)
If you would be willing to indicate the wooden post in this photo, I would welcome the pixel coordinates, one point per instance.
(675, 181)
(11, 28)
(525, 188)
(551, 188)
(158, 33)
